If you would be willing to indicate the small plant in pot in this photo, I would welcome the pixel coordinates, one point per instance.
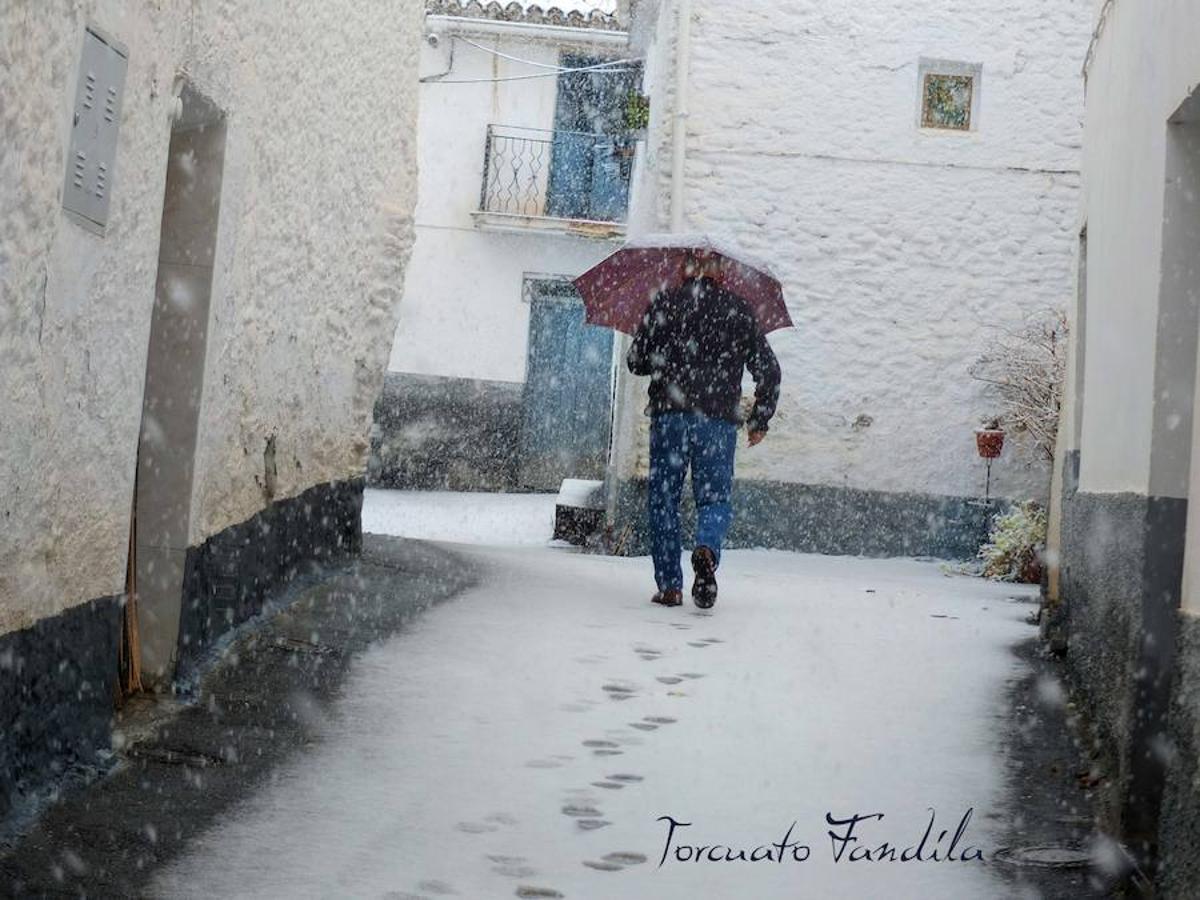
(989, 438)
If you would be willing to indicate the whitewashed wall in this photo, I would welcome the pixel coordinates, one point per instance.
(319, 186)
(901, 249)
(1143, 70)
(463, 313)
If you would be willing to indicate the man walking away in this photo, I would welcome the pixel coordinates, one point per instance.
(694, 342)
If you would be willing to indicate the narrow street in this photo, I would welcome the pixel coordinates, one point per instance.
(525, 737)
(370, 366)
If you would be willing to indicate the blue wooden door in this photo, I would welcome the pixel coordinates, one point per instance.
(612, 167)
(569, 191)
(591, 155)
(568, 391)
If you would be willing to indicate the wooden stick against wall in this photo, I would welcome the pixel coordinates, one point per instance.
(129, 650)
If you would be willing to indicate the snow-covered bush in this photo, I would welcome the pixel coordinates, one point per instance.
(1014, 548)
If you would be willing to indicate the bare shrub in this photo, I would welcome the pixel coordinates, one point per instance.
(1026, 367)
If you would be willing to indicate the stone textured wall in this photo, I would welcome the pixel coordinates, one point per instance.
(902, 250)
(1180, 864)
(319, 186)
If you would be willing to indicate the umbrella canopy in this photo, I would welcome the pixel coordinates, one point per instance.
(617, 291)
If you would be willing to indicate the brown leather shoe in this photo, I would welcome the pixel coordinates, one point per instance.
(670, 597)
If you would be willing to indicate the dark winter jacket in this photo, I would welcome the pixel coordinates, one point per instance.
(694, 342)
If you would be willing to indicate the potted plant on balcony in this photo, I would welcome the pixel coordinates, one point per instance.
(989, 438)
(637, 114)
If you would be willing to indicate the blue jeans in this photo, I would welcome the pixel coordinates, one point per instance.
(677, 440)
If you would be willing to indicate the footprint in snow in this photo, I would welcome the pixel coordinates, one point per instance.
(668, 679)
(617, 690)
(511, 866)
(592, 824)
(514, 870)
(596, 743)
(437, 887)
(661, 720)
(622, 776)
(580, 811)
(475, 827)
(643, 726)
(603, 866)
(691, 675)
(608, 785)
(615, 862)
(538, 893)
(623, 858)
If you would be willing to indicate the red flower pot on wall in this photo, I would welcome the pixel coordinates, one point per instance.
(989, 442)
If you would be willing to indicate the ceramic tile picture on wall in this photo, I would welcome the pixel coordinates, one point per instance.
(946, 101)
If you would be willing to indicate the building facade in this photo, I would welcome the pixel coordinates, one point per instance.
(494, 382)
(207, 215)
(1122, 602)
(914, 177)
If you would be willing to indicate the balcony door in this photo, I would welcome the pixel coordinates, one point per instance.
(568, 390)
(592, 155)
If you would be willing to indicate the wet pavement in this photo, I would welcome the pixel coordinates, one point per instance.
(263, 702)
(1048, 816)
(528, 739)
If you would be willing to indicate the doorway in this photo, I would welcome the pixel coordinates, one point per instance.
(592, 156)
(568, 390)
(159, 532)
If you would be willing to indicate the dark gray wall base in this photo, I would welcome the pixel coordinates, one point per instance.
(229, 576)
(57, 683)
(1122, 562)
(831, 520)
(1054, 619)
(1179, 868)
(453, 434)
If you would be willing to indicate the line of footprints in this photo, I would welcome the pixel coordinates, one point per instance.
(581, 804)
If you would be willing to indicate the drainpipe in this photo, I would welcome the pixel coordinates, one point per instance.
(683, 49)
(621, 397)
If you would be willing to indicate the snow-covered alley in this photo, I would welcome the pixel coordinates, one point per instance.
(529, 737)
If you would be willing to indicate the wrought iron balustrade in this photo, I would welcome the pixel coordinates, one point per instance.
(557, 174)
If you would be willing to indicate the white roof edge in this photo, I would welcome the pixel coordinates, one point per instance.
(530, 31)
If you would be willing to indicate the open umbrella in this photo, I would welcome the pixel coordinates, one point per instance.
(617, 291)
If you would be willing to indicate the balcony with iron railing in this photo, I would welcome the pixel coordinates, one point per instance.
(565, 181)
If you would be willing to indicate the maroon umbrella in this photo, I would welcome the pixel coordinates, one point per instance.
(617, 291)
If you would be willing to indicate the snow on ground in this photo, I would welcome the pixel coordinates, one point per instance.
(529, 735)
(459, 517)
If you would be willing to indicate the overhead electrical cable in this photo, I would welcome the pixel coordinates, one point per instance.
(612, 65)
(540, 65)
